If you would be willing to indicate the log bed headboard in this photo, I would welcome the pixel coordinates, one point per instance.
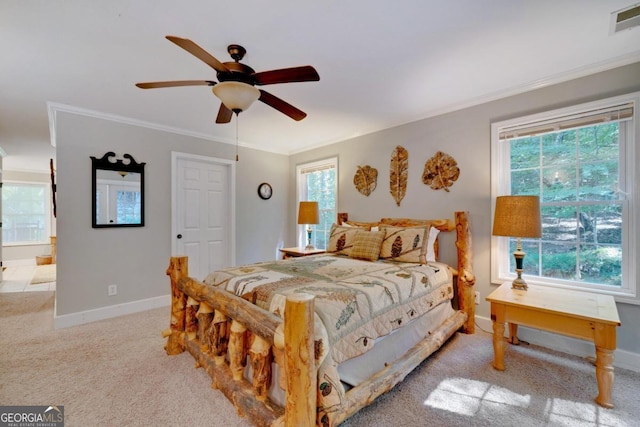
(445, 225)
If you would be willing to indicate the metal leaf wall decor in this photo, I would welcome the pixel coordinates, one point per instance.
(440, 171)
(398, 173)
(366, 179)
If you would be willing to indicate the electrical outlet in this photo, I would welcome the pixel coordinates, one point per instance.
(477, 298)
(112, 290)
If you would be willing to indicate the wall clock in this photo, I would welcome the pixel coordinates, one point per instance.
(265, 191)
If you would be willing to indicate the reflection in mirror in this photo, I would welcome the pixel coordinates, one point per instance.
(117, 197)
(118, 192)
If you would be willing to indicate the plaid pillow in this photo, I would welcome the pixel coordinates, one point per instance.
(365, 225)
(366, 245)
(405, 244)
(341, 239)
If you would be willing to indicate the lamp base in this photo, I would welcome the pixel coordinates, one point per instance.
(519, 283)
(309, 246)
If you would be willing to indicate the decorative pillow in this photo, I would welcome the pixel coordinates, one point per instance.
(431, 244)
(405, 244)
(365, 225)
(366, 245)
(341, 239)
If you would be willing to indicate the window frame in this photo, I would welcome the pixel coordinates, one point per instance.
(629, 184)
(47, 214)
(325, 163)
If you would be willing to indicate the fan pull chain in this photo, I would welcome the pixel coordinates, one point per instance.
(237, 117)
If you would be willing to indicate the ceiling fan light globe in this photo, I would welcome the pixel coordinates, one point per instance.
(236, 96)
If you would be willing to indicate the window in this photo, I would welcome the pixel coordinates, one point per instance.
(318, 181)
(128, 207)
(25, 213)
(581, 162)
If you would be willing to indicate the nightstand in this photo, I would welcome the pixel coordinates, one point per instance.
(298, 252)
(578, 314)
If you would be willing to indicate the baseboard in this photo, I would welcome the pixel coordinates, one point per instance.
(622, 358)
(102, 313)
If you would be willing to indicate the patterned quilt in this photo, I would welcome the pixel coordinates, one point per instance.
(355, 301)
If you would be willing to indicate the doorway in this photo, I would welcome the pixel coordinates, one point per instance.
(203, 212)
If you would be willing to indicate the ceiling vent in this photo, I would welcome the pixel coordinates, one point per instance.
(625, 19)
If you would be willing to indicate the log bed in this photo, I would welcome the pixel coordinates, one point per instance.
(224, 332)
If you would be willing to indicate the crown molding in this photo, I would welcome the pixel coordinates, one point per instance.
(53, 108)
(573, 74)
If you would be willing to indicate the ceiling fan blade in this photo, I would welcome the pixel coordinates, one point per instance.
(155, 85)
(224, 114)
(199, 53)
(282, 106)
(287, 75)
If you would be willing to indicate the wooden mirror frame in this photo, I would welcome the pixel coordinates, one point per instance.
(118, 166)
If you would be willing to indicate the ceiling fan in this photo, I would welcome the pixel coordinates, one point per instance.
(237, 81)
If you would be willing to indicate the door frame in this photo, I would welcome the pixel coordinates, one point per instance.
(230, 165)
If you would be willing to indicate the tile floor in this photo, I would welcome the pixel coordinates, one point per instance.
(18, 279)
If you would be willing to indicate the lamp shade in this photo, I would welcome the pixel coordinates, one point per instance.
(517, 216)
(308, 213)
(236, 96)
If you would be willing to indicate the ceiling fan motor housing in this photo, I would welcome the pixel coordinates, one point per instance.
(238, 73)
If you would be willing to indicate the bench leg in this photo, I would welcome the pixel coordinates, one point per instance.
(498, 345)
(604, 375)
(497, 316)
(605, 342)
(513, 334)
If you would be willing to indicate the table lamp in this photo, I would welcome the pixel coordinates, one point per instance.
(308, 214)
(517, 216)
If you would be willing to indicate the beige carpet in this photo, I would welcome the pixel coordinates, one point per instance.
(44, 274)
(115, 373)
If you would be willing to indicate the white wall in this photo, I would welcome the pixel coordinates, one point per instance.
(136, 258)
(465, 135)
(262, 224)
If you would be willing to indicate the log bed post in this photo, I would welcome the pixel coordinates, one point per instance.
(237, 349)
(466, 278)
(191, 319)
(218, 336)
(300, 410)
(261, 359)
(204, 315)
(177, 269)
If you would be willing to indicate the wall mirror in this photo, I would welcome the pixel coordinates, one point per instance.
(117, 192)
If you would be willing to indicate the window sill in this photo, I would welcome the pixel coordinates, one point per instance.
(22, 244)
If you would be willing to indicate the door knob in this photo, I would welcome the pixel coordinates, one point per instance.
(179, 236)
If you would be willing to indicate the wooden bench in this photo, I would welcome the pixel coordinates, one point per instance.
(578, 314)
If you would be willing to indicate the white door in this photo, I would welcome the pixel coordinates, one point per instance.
(204, 220)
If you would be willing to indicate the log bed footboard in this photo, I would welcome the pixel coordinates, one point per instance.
(220, 330)
(220, 340)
